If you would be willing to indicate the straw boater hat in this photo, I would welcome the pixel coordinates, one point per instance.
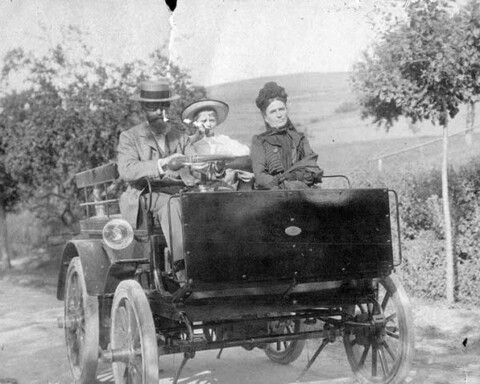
(192, 110)
(155, 92)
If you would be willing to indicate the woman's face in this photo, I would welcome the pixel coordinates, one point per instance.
(208, 119)
(276, 114)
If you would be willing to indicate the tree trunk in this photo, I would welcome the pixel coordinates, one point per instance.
(470, 123)
(450, 261)
(4, 246)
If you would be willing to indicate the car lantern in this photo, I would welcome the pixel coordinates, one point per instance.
(117, 234)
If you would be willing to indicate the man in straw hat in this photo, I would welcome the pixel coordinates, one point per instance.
(146, 151)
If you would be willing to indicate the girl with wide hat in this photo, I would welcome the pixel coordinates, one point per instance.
(203, 119)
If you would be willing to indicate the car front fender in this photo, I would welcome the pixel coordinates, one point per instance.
(95, 263)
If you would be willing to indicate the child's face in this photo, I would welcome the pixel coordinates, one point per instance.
(208, 119)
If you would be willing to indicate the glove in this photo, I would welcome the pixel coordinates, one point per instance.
(317, 176)
(219, 166)
(303, 176)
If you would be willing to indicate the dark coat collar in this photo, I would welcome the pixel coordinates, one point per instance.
(272, 136)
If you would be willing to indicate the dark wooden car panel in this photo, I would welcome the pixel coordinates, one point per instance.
(276, 235)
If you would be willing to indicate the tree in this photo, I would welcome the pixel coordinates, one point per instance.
(8, 199)
(468, 21)
(422, 69)
(68, 115)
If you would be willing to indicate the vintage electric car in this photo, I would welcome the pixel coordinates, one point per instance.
(263, 269)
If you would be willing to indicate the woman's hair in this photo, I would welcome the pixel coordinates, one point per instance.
(271, 91)
(206, 109)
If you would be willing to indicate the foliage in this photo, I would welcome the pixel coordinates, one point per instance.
(422, 227)
(423, 266)
(69, 113)
(422, 69)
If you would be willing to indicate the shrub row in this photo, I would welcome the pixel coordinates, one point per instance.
(422, 227)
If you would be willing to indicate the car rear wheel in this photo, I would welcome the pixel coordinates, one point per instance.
(285, 352)
(379, 338)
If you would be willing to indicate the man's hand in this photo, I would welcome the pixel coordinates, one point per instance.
(172, 162)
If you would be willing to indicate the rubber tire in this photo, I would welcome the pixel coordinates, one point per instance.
(83, 363)
(291, 353)
(129, 296)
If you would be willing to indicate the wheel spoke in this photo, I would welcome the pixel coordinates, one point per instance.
(383, 361)
(391, 317)
(136, 373)
(392, 334)
(133, 328)
(385, 300)
(122, 328)
(361, 363)
(75, 291)
(374, 360)
(279, 346)
(370, 308)
(126, 373)
(389, 350)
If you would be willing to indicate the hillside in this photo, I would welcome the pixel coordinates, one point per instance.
(322, 106)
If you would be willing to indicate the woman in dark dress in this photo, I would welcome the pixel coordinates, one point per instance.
(281, 156)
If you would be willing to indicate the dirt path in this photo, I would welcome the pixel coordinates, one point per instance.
(32, 348)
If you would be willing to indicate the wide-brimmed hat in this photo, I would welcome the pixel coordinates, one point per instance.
(195, 108)
(154, 92)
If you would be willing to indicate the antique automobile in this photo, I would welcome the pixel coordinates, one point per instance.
(263, 269)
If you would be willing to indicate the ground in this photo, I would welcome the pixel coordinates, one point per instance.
(32, 348)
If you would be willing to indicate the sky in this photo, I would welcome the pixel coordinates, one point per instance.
(223, 41)
(218, 41)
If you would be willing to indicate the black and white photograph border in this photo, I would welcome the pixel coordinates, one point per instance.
(383, 92)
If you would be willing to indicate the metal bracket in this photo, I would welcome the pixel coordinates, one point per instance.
(291, 286)
(312, 360)
(398, 228)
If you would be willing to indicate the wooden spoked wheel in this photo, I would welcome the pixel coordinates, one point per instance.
(379, 339)
(285, 352)
(81, 324)
(133, 339)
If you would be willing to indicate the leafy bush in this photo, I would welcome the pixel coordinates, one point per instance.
(69, 116)
(423, 267)
(422, 227)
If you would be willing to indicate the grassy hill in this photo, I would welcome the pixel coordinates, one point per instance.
(323, 106)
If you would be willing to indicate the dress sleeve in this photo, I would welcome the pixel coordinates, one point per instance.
(308, 151)
(259, 165)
